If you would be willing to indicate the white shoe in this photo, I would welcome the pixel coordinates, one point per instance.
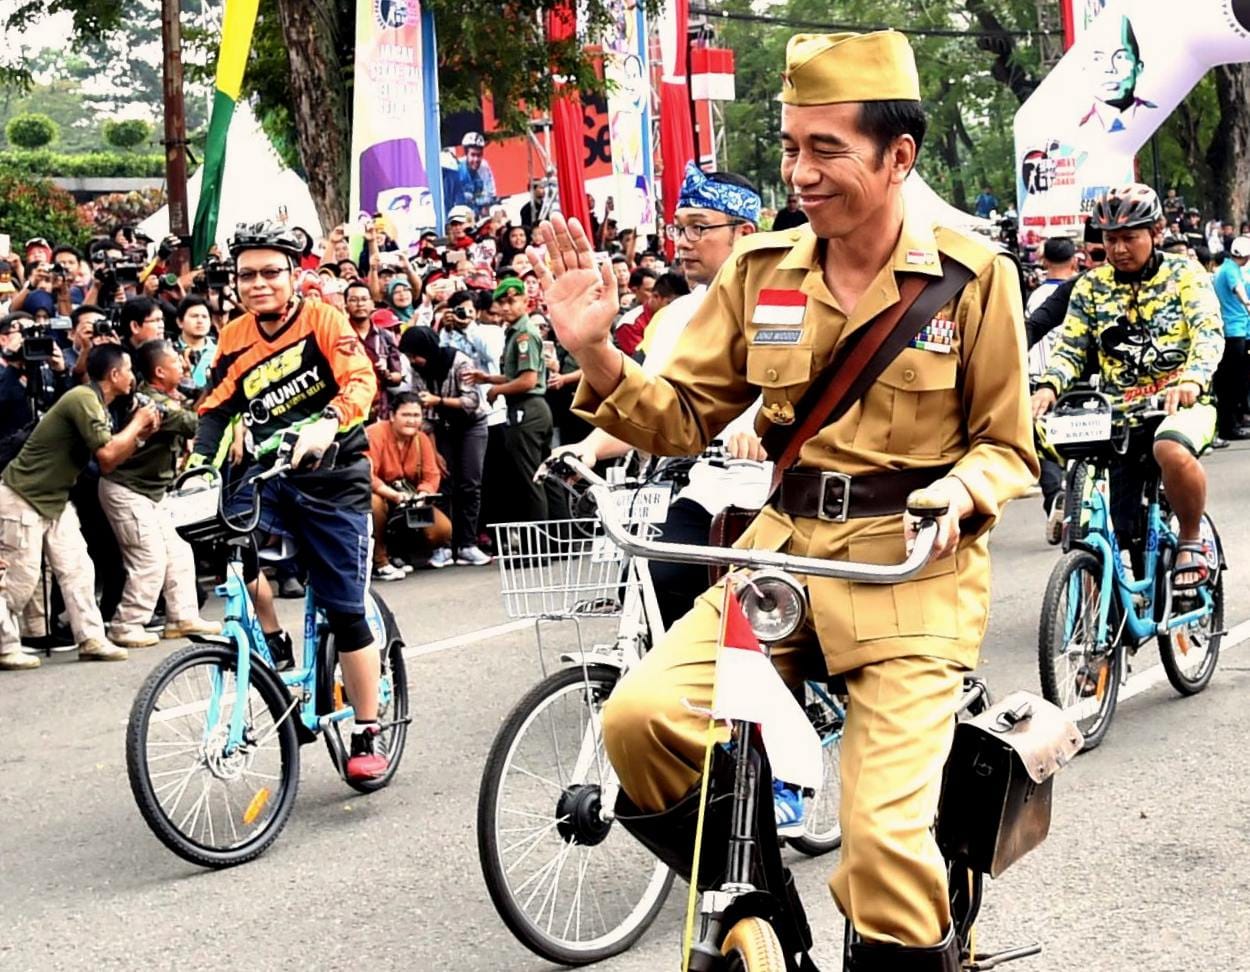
(472, 556)
(132, 639)
(17, 661)
(388, 572)
(93, 649)
(440, 558)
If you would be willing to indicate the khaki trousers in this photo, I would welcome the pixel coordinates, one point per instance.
(156, 560)
(891, 882)
(25, 538)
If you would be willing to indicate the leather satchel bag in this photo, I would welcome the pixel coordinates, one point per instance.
(854, 369)
(996, 795)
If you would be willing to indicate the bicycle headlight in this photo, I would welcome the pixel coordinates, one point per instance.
(774, 603)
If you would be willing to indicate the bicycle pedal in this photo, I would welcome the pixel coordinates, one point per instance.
(383, 726)
(991, 960)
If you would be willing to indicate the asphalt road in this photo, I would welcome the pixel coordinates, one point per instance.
(1146, 867)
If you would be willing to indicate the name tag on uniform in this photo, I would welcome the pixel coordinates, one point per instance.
(777, 335)
(937, 335)
(780, 308)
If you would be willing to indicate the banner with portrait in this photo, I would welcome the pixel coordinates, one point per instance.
(1079, 133)
(395, 119)
(629, 116)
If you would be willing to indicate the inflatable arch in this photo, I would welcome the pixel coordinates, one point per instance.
(1080, 130)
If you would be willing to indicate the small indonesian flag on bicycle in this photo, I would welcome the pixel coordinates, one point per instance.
(748, 688)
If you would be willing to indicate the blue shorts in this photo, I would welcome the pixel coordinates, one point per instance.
(331, 527)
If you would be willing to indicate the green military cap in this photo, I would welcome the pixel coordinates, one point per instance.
(827, 69)
(509, 285)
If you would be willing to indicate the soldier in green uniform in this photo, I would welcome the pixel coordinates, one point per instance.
(524, 387)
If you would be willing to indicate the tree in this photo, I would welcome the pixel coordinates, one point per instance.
(127, 133)
(32, 207)
(1229, 152)
(31, 131)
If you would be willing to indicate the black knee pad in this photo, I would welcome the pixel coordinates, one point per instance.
(350, 629)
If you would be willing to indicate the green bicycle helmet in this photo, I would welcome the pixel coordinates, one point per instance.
(1128, 207)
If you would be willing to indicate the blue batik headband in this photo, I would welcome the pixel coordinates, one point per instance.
(699, 191)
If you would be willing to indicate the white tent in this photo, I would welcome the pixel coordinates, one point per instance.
(255, 186)
(920, 194)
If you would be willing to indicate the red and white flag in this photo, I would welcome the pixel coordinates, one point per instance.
(748, 688)
(780, 308)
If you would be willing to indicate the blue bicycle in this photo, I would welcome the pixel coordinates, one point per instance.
(1098, 610)
(212, 746)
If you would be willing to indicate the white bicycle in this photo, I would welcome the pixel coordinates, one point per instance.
(571, 886)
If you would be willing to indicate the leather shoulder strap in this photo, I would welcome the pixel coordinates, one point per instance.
(862, 360)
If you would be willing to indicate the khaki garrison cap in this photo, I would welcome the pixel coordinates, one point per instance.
(827, 69)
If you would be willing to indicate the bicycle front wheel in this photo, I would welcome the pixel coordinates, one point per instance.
(1078, 673)
(753, 946)
(822, 813)
(208, 803)
(570, 884)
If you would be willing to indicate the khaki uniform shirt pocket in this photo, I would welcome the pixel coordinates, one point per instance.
(926, 606)
(782, 374)
(915, 403)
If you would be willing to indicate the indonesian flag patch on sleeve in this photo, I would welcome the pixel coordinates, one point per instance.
(780, 308)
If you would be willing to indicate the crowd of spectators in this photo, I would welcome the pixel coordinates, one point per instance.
(105, 354)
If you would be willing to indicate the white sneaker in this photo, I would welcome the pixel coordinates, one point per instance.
(93, 649)
(17, 661)
(440, 558)
(388, 572)
(472, 556)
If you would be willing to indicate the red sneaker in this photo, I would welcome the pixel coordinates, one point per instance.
(365, 763)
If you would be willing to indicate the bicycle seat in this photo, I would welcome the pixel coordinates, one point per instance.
(283, 551)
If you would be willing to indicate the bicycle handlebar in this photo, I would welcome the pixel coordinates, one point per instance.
(634, 545)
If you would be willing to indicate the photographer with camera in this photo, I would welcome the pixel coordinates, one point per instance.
(38, 516)
(47, 289)
(195, 342)
(33, 374)
(405, 471)
(132, 497)
(89, 326)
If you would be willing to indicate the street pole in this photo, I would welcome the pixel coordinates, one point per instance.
(175, 140)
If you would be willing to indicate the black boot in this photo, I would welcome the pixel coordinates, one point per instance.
(867, 956)
(669, 834)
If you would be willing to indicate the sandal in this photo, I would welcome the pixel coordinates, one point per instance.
(1195, 564)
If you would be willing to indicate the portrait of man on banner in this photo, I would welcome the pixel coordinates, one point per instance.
(1114, 70)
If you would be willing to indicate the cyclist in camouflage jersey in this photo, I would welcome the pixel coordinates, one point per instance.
(1153, 321)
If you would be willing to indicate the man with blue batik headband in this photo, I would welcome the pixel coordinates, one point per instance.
(714, 211)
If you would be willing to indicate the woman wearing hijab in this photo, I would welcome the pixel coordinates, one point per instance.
(455, 408)
(399, 296)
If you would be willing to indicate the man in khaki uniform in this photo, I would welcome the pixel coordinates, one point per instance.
(950, 410)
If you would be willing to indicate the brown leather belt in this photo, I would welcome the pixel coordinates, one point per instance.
(838, 497)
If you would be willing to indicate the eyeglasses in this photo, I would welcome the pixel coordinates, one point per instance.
(693, 232)
(359, 299)
(269, 273)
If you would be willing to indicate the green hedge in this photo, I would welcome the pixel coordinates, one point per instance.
(82, 165)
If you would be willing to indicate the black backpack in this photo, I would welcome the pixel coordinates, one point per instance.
(12, 443)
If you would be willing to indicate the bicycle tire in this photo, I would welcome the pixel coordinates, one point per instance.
(1183, 683)
(753, 946)
(394, 739)
(815, 843)
(1073, 501)
(1053, 637)
(276, 700)
(602, 679)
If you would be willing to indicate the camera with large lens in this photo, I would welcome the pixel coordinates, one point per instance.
(141, 401)
(38, 345)
(216, 275)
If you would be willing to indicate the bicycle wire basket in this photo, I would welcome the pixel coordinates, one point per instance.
(193, 509)
(562, 568)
